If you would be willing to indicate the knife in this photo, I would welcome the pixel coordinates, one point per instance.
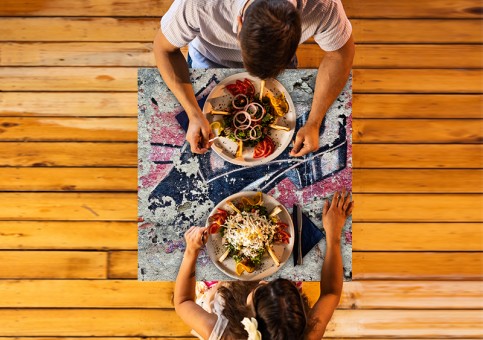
(299, 224)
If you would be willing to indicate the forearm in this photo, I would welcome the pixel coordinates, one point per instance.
(186, 280)
(175, 73)
(332, 75)
(331, 277)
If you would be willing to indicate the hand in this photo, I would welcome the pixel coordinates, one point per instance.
(199, 133)
(195, 239)
(307, 140)
(335, 214)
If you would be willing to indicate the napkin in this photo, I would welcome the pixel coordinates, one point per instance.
(182, 117)
(311, 235)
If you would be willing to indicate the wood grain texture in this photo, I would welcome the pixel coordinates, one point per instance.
(69, 129)
(417, 131)
(417, 237)
(68, 154)
(68, 235)
(68, 179)
(365, 265)
(123, 207)
(125, 130)
(429, 106)
(416, 181)
(125, 179)
(52, 265)
(124, 79)
(418, 208)
(354, 8)
(421, 265)
(145, 322)
(132, 294)
(89, 29)
(417, 156)
(68, 206)
(84, 104)
(141, 55)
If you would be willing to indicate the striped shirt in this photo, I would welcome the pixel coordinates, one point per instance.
(210, 27)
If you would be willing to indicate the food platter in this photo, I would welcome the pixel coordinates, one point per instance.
(220, 99)
(267, 266)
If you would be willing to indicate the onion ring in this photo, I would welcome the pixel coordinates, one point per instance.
(239, 138)
(252, 110)
(241, 123)
(240, 95)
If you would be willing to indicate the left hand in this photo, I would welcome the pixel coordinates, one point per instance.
(307, 140)
(195, 239)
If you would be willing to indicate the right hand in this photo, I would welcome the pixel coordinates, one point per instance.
(335, 214)
(199, 133)
(196, 238)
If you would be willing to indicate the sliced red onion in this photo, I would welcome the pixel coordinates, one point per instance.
(240, 95)
(242, 139)
(242, 120)
(253, 132)
(252, 110)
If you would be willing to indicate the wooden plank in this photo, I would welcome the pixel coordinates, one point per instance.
(365, 265)
(416, 81)
(123, 207)
(416, 106)
(41, 154)
(52, 265)
(416, 181)
(420, 265)
(125, 105)
(367, 56)
(354, 8)
(125, 179)
(134, 294)
(86, 104)
(68, 207)
(417, 156)
(124, 79)
(309, 55)
(417, 131)
(418, 208)
(68, 79)
(68, 154)
(144, 29)
(123, 265)
(148, 322)
(68, 179)
(428, 237)
(125, 130)
(68, 235)
(68, 129)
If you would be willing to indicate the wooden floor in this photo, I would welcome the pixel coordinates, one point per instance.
(68, 179)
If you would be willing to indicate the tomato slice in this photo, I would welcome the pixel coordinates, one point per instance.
(213, 228)
(250, 87)
(233, 89)
(260, 149)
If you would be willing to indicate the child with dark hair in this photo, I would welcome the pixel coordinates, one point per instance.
(263, 310)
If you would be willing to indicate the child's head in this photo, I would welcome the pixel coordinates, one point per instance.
(280, 310)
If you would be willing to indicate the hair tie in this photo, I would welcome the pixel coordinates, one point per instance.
(251, 326)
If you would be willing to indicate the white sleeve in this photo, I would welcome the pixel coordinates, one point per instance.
(335, 29)
(180, 24)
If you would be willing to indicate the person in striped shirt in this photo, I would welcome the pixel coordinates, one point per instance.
(261, 36)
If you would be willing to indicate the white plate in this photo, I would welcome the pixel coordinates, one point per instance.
(267, 267)
(220, 98)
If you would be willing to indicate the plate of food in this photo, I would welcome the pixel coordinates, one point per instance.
(251, 235)
(253, 120)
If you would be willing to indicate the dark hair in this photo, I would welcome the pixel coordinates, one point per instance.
(280, 310)
(269, 37)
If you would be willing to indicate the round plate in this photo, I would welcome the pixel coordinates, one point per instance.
(220, 98)
(267, 267)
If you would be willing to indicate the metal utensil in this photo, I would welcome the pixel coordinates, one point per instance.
(299, 224)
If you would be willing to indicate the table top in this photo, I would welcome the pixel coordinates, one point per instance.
(177, 189)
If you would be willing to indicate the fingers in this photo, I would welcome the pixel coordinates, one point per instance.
(335, 200)
(305, 150)
(297, 145)
(326, 207)
(349, 209)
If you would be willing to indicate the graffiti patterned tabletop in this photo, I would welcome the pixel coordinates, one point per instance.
(178, 189)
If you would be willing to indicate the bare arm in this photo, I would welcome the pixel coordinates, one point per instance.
(175, 73)
(331, 277)
(184, 291)
(331, 78)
